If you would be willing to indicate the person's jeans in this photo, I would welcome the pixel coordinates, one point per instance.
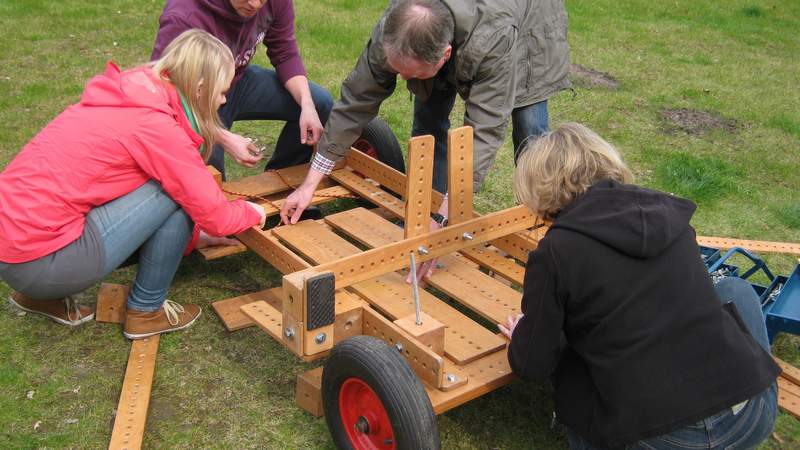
(259, 95)
(149, 220)
(433, 117)
(723, 430)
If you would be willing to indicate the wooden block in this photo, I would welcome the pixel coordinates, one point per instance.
(788, 400)
(419, 178)
(229, 310)
(308, 392)
(459, 174)
(430, 331)
(790, 372)
(266, 316)
(111, 303)
(318, 341)
(131, 415)
(428, 365)
(454, 377)
(220, 251)
(349, 317)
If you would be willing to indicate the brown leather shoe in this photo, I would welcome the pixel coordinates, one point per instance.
(171, 317)
(64, 310)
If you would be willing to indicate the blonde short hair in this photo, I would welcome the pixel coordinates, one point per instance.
(561, 165)
(196, 59)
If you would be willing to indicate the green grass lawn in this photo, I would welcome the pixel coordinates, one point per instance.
(701, 97)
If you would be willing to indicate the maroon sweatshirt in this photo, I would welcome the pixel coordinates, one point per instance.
(273, 25)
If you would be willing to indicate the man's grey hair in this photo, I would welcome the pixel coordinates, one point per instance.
(418, 29)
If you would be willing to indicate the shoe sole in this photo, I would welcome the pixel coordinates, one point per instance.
(69, 323)
(144, 335)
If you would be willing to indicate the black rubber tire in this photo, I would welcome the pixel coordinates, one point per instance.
(380, 138)
(388, 374)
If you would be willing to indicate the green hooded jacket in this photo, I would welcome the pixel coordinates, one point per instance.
(506, 54)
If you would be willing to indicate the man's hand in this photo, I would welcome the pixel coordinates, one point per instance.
(241, 149)
(310, 125)
(508, 328)
(298, 201)
(426, 268)
(206, 240)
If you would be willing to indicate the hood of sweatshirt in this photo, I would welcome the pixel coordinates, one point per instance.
(636, 221)
(138, 88)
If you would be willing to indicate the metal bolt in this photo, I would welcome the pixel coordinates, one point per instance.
(422, 250)
(467, 237)
(399, 347)
(289, 333)
(320, 338)
(451, 378)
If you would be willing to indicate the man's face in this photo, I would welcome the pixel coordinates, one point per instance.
(248, 8)
(409, 68)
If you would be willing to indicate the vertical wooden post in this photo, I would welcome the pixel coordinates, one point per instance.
(459, 174)
(418, 188)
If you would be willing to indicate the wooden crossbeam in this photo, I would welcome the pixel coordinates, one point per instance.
(135, 397)
(754, 246)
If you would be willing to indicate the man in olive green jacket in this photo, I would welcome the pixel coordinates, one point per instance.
(503, 57)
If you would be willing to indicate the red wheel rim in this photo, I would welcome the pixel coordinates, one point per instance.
(364, 146)
(363, 416)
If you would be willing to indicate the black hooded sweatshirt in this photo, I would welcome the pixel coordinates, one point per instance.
(620, 312)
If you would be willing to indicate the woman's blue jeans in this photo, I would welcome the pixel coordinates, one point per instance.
(149, 220)
(723, 430)
(433, 117)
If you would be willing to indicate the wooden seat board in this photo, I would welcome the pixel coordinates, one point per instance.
(229, 310)
(492, 259)
(473, 288)
(465, 340)
(369, 191)
(270, 182)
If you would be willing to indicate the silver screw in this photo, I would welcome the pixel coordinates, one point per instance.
(399, 346)
(451, 378)
(467, 237)
(422, 250)
(320, 338)
(289, 333)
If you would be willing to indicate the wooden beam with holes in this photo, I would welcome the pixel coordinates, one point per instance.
(459, 174)
(753, 246)
(131, 415)
(418, 187)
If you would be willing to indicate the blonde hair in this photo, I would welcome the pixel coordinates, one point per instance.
(561, 165)
(197, 59)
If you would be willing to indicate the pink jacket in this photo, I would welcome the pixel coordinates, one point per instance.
(128, 128)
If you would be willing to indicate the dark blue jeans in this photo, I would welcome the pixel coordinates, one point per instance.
(723, 430)
(433, 117)
(259, 95)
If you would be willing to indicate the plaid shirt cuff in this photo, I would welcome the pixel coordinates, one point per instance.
(322, 164)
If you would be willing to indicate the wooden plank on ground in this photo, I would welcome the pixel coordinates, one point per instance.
(788, 399)
(112, 302)
(220, 251)
(229, 310)
(789, 371)
(131, 416)
(753, 246)
(492, 259)
(267, 317)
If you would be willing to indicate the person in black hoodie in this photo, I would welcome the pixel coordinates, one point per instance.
(620, 313)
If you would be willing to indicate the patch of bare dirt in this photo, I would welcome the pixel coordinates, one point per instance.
(693, 121)
(592, 79)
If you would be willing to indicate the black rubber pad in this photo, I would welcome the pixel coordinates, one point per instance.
(320, 308)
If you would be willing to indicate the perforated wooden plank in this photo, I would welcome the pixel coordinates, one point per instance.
(459, 174)
(229, 310)
(485, 375)
(492, 259)
(369, 191)
(369, 167)
(754, 246)
(419, 185)
(220, 251)
(465, 340)
(788, 400)
(271, 250)
(270, 182)
(266, 316)
(475, 290)
(112, 302)
(131, 416)
(789, 371)
(428, 365)
(315, 242)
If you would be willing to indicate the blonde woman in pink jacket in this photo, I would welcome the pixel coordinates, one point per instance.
(123, 169)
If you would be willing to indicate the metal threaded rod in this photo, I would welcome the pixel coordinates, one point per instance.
(415, 287)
